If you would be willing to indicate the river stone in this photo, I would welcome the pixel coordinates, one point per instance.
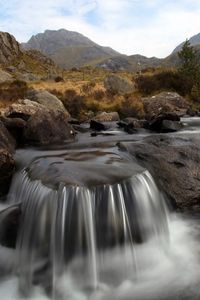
(47, 99)
(7, 167)
(87, 168)
(97, 126)
(174, 163)
(6, 140)
(15, 126)
(163, 103)
(47, 127)
(167, 122)
(7, 164)
(23, 109)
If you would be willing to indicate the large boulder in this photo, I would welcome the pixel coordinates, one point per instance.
(166, 122)
(47, 127)
(165, 102)
(47, 99)
(33, 123)
(15, 126)
(174, 163)
(7, 164)
(6, 140)
(118, 85)
(23, 109)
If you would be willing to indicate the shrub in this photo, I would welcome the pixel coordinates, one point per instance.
(131, 106)
(98, 94)
(195, 93)
(12, 91)
(58, 79)
(74, 103)
(87, 87)
(166, 80)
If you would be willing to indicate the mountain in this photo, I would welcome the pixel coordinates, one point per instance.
(194, 41)
(68, 48)
(14, 59)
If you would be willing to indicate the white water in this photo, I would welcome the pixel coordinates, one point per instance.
(170, 274)
(110, 242)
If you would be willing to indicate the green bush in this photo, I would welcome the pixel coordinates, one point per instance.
(166, 80)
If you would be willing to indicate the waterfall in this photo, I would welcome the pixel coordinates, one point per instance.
(71, 229)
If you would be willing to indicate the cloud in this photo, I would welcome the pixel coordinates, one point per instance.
(148, 27)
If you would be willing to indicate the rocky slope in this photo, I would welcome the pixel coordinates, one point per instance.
(68, 49)
(23, 63)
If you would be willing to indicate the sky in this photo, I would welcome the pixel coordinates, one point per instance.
(146, 27)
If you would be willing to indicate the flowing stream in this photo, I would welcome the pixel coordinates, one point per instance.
(95, 226)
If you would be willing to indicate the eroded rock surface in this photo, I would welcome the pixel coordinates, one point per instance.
(174, 163)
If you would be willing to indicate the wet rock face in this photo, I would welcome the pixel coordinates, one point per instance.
(174, 163)
(166, 122)
(6, 140)
(7, 167)
(7, 164)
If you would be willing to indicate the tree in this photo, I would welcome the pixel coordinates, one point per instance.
(190, 69)
(189, 65)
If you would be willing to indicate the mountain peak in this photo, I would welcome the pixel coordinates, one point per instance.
(68, 48)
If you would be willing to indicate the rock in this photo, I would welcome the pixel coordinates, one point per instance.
(163, 103)
(167, 122)
(23, 109)
(191, 112)
(136, 123)
(5, 77)
(10, 48)
(7, 167)
(170, 126)
(24, 76)
(9, 224)
(128, 127)
(74, 121)
(97, 125)
(15, 126)
(47, 127)
(6, 140)
(118, 85)
(48, 100)
(107, 117)
(7, 164)
(174, 163)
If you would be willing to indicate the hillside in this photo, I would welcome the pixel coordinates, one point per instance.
(27, 63)
(68, 49)
(194, 41)
(133, 63)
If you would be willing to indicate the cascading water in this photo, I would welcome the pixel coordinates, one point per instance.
(70, 229)
(94, 226)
